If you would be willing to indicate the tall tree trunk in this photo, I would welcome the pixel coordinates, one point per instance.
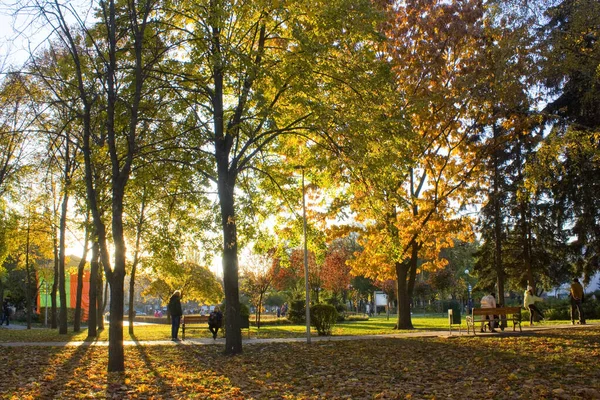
(226, 178)
(80, 271)
(62, 320)
(53, 314)
(116, 354)
(404, 320)
(131, 316)
(525, 217)
(498, 225)
(116, 280)
(93, 309)
(258, 312)
(28, 286)
(233, 339)
(136, 258)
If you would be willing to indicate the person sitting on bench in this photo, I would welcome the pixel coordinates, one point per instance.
(215, 321)
(488, 301)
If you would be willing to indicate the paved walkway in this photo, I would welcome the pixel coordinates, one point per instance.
(221, 341)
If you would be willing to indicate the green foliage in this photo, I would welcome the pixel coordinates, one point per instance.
(244, 310)
(196, 282)
(323, 317)
(297, 311)
(356, 317)
(271, 322)
(555, 314)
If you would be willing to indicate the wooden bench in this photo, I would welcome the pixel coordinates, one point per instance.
(500, 315)
(203, 320)
(193, 320)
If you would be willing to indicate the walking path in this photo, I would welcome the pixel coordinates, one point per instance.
(207, 341)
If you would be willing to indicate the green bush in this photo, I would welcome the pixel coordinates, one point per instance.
(244, 314)
(341, 310)
(556, 314)
(591, 309)
(271, 322)
(297, 311)
(525, 315)
(323, 317)
(357, 317)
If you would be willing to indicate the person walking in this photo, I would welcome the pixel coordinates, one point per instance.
(215, 321)
(488, 301)
(529, 303)
(576, 296)
(175, 311)
(5, 312)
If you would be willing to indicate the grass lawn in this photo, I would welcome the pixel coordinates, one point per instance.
(550, 364)
(374, 326)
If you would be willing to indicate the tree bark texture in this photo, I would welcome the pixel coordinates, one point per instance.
(93, 310)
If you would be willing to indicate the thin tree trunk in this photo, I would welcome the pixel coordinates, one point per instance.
(136, 258)
(28, 274)
(80, 271)
(260, 297)
(102, 299)
(62, 327)
(53, 314)
(93, 308)
(498, 225)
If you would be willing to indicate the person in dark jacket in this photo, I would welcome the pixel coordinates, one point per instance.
(215, 321)
(5, 312)
(175, 311)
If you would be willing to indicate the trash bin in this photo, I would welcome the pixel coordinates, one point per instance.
(453, 317)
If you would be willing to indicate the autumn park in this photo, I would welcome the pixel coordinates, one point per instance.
(361, 199)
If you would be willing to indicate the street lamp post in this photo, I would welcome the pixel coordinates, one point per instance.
(305, 259)
(469, 301)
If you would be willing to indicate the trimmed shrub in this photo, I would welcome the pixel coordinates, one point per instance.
(271, 322)
(591, 309)
(357, 317)
(297, 311)
(323, 317)
(555, 314)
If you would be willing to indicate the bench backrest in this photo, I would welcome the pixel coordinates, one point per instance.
(496, 311)
(195, 319)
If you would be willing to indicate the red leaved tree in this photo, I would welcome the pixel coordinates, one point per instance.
(335, 273)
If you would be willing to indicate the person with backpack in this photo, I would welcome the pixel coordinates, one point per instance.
(215, 321)
(176, 312)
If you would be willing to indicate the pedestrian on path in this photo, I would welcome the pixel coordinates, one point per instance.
(5, 312)
(529, 304)
(176, 313)
(576, 295)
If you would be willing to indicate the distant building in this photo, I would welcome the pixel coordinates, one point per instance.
(44, 299)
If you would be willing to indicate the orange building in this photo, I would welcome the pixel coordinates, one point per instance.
(44, 299)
